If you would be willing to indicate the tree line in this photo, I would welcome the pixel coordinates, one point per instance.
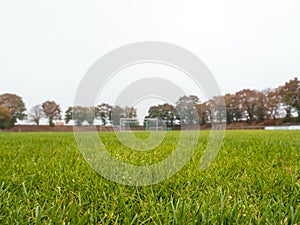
(104, 112)
(244, 105)
(12, 108)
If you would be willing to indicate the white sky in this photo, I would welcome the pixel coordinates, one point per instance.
(47, 46)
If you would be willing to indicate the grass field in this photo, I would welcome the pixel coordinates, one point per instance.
(255, 179)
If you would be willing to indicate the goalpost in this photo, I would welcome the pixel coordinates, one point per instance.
(127, 123)
(156, 128)
(152, 124)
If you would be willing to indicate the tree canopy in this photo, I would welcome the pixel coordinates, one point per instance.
(52, 111)
(5, 117)
(15, 105)
(80, 115)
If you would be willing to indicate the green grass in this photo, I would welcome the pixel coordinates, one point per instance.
(255, 179)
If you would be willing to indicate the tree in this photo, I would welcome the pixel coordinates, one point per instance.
(169, 114)
(118, 112)
(90, 115)
(80, 114)
(203, 113)
(155, 112)
(261, 109)
(186, 108)
(5, 117)
(165, 113)
(35, 114)
(273, 100)
(233, 108)
(52, 111)
(69, 114)
(290, 97)
(15, 105)
(103, 112)
(248, 101)
(217, 109)
(130, 112)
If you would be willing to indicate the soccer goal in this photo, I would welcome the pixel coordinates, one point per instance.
(152, 124)
(127, 123)
(156, 128)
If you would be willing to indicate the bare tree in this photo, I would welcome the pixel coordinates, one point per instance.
(35, 114)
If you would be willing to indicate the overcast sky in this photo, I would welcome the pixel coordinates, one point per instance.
(47, 46)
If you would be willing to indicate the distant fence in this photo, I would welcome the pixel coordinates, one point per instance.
(45, 128)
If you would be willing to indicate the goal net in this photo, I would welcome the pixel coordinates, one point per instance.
(151, 124)
(156, 128)
(127, 123)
